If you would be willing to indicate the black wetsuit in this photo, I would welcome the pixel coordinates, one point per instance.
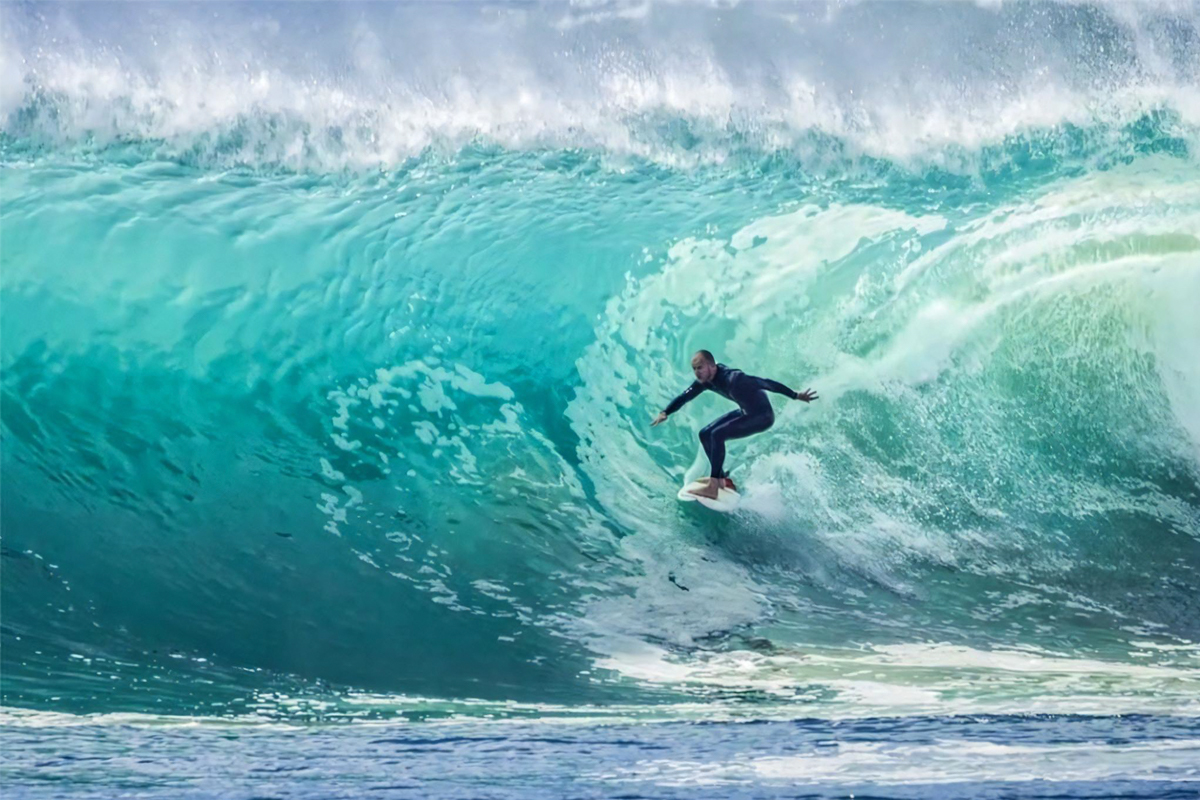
(754, 413)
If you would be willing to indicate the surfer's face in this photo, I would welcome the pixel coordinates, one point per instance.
(704, 369)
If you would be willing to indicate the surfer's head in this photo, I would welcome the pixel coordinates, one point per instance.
(704, 366)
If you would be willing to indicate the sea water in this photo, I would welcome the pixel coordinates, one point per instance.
(332, 333)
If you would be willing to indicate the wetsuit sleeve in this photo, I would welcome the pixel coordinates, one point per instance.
(774, 386)
(688, 394)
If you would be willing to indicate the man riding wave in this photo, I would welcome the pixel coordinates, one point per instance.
(753, 415)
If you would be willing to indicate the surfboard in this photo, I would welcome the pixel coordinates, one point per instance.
(727, 499)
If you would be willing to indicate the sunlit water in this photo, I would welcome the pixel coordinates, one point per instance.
(331, 336)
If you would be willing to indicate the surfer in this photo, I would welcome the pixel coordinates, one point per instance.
(753, 415)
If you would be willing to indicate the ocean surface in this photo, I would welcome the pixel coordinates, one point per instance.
(330, 336)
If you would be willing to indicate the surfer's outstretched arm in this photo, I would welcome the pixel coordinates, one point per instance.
(687, 395)
(775, 386)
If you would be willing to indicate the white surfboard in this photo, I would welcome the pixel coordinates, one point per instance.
(727, 499)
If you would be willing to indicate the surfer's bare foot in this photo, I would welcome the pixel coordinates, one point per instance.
(709, 490)
(727, 483)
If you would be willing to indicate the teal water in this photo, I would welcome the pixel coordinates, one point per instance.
(331, 336)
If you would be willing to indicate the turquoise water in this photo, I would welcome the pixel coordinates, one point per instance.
(331, 335)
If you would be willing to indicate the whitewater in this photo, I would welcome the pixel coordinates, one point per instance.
(331, 335)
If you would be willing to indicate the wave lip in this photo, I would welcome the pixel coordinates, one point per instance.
(678, 86)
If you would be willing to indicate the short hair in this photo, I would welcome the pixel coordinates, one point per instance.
(707, 356)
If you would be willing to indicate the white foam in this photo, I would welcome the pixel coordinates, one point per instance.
(924, 679)
(947, 761)
(678, 84)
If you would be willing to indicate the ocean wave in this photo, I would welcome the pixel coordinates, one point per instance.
(363, 418)
(679, 86)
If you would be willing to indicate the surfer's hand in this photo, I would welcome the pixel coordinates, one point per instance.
(808, 395)
(662, 417)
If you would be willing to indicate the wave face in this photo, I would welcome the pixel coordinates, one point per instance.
(331, 336)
